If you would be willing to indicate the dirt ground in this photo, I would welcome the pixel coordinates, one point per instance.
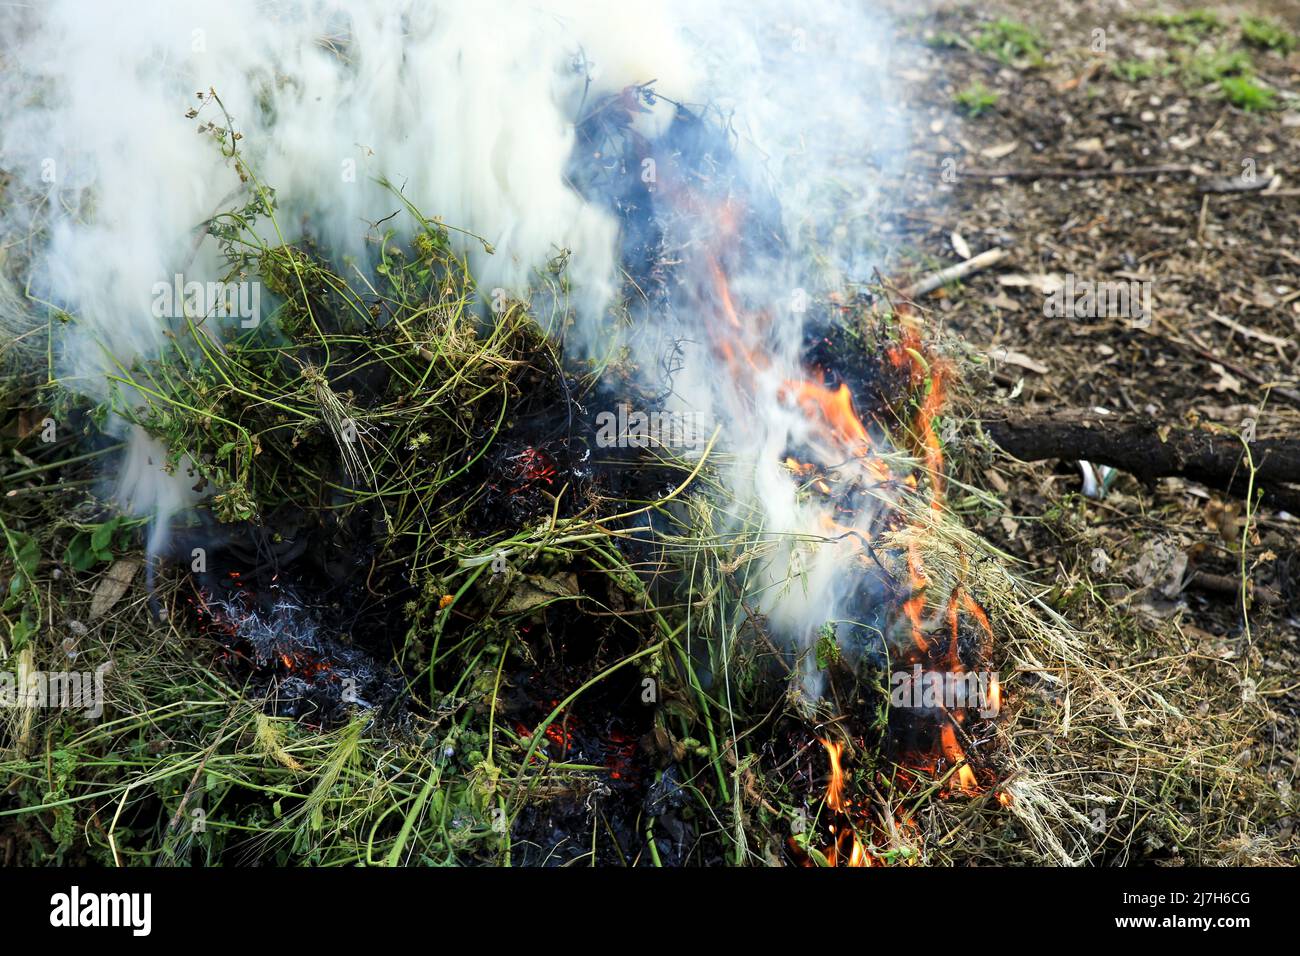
(1141, 564)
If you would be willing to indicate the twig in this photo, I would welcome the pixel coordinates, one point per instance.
(1235, 185)
(1273, 194)
(1097, 172)
(1230, 586)
(1281, 391)
(959, 271)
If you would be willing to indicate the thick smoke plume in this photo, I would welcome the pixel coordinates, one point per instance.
(470, 110)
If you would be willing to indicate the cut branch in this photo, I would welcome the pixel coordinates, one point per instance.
(951, 274)
(1149, 450)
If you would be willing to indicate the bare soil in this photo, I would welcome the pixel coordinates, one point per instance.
(1155, 569)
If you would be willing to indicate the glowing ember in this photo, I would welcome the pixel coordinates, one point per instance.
(532, 465)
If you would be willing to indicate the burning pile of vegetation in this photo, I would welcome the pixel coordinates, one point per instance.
(425, 615)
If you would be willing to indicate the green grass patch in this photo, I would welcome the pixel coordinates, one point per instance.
(1267, 34)
(1132, 71)
(976, 99)
(1232, 73)
(946, 40)
(1189, 27)
(1011, 42)
(1215, 65)
(1245, 93)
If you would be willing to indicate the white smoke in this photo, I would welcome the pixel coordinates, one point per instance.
(466, 106)
(808, 91)
(469, 109)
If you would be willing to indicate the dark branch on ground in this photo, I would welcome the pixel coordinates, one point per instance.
(1152, 449)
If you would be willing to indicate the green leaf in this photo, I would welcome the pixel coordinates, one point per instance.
(26, 555)
(78, 554)
(102, 538)
(22, 631)
(82, 554)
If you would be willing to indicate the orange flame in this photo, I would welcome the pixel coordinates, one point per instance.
(952, 750)
(739, 340)
(835, 789)
(837, 802)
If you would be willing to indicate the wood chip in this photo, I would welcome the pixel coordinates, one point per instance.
(1019, 359)
(1000, 150)
(113, 585)
(1227, 381)
(1043, 282)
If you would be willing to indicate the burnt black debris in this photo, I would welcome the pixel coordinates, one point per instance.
(291, 623)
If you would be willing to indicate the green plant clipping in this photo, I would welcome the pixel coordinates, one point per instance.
(827, 648)
(25, 553)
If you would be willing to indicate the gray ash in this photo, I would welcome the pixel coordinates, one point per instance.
(282, 652)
